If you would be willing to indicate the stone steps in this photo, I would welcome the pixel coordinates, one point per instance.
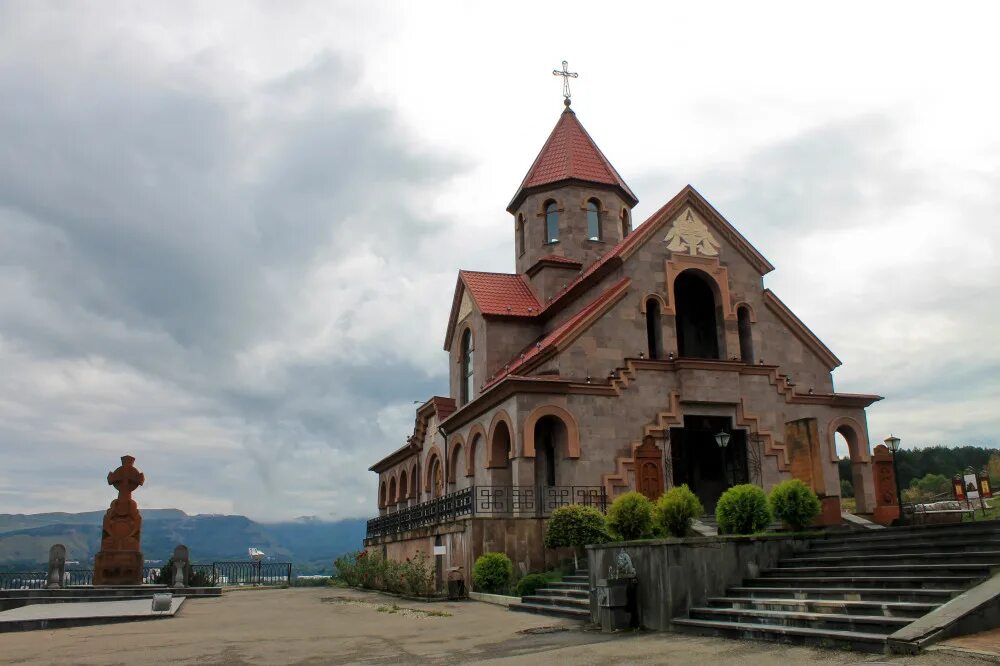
(853, 589)
(880, 624)
(854, 640)
(887, 608)
(988, 557)
(912, 595)
(568, 598)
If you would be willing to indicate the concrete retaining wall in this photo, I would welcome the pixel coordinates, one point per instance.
(676, 574)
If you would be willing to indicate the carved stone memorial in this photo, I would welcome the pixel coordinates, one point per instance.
(120, 560)
(181, 561)
(57, 566)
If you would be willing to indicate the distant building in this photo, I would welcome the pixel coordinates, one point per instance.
(610, 361)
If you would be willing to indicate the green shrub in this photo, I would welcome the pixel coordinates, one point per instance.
(794, 503)
(530, 583)
(371, 570)
(631, 516)
(492, 573)
(575, 526)
(846, 488)
(742, 510)
(675, 509)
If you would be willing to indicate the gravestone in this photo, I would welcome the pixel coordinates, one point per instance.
(57, 566)
(120, 560)
(180, 576)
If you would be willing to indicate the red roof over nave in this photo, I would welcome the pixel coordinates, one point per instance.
(570, 154)
(501, 293)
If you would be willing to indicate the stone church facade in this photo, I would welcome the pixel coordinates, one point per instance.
(611, 361)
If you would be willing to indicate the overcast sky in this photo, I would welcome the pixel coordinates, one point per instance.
(229, 232)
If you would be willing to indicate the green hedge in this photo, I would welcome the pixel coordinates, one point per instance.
(492, 572)
(743, 510)
(675, 510)
(794, 503)
(362, 569)
(530, 584)
(575, 526)
(631, 516)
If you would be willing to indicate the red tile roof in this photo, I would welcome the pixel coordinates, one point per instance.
(560, 333)
(501, 293)
(570, 154)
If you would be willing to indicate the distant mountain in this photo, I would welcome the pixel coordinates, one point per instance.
(308, 542)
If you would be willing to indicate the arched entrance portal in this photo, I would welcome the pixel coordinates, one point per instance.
(698, 318)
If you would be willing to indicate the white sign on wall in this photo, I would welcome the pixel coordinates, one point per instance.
(440, 550)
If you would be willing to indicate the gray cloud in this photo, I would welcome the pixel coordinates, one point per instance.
(193, 265)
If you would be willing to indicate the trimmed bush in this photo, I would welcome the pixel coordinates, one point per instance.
(530, 583)
(675, 509)
(575, 526)
(794, 503)
(492, 573)
(742, 510)
(631, 516)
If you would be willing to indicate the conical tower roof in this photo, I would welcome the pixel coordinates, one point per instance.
(569, 154)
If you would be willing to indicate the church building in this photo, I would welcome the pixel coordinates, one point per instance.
(617, 357)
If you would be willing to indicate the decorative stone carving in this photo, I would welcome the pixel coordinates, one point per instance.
(886, 505)
(181, 562)
(57, 566)
(120, 560)
(622, 568)
(689, 234)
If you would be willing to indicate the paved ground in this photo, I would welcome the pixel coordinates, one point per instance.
(333, 626)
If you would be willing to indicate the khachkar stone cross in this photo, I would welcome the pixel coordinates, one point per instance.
(120, 560)
(567, 75)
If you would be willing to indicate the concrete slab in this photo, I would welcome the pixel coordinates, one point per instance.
(53, 615)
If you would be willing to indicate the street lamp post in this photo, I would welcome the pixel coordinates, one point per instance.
(893, 443)
(722, 439)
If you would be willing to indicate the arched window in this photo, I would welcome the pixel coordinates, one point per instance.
(593, 220)
(697, 319)
(746, 334)
(520, 235)
(626, 223)
(467, 388)
(654, 333)
(551, 222)
(403, 490)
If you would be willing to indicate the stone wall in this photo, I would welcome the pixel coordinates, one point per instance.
(677, 574)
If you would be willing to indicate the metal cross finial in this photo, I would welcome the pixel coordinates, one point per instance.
(567, 75)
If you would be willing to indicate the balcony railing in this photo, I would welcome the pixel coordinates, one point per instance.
(487, 502)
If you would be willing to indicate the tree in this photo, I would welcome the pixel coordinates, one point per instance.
(575, 526)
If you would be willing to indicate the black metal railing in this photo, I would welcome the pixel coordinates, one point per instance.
(488, 501)
(218, 573)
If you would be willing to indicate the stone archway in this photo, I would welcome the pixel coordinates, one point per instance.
(858, 452)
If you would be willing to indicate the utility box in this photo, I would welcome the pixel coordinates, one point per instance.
(617, 609)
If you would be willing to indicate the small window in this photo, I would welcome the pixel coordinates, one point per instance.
(520, 235)
(593, 220)
(467, 387)
(551, 222)
(746, 333)
(654, 331)
(626, 223)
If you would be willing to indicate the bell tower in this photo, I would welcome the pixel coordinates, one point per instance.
(570, 209)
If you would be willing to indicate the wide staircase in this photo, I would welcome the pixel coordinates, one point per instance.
(570, 598)
(853, 589)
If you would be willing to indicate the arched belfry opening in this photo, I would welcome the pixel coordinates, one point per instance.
(698, 316)
(746, 334)
(654, 331)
